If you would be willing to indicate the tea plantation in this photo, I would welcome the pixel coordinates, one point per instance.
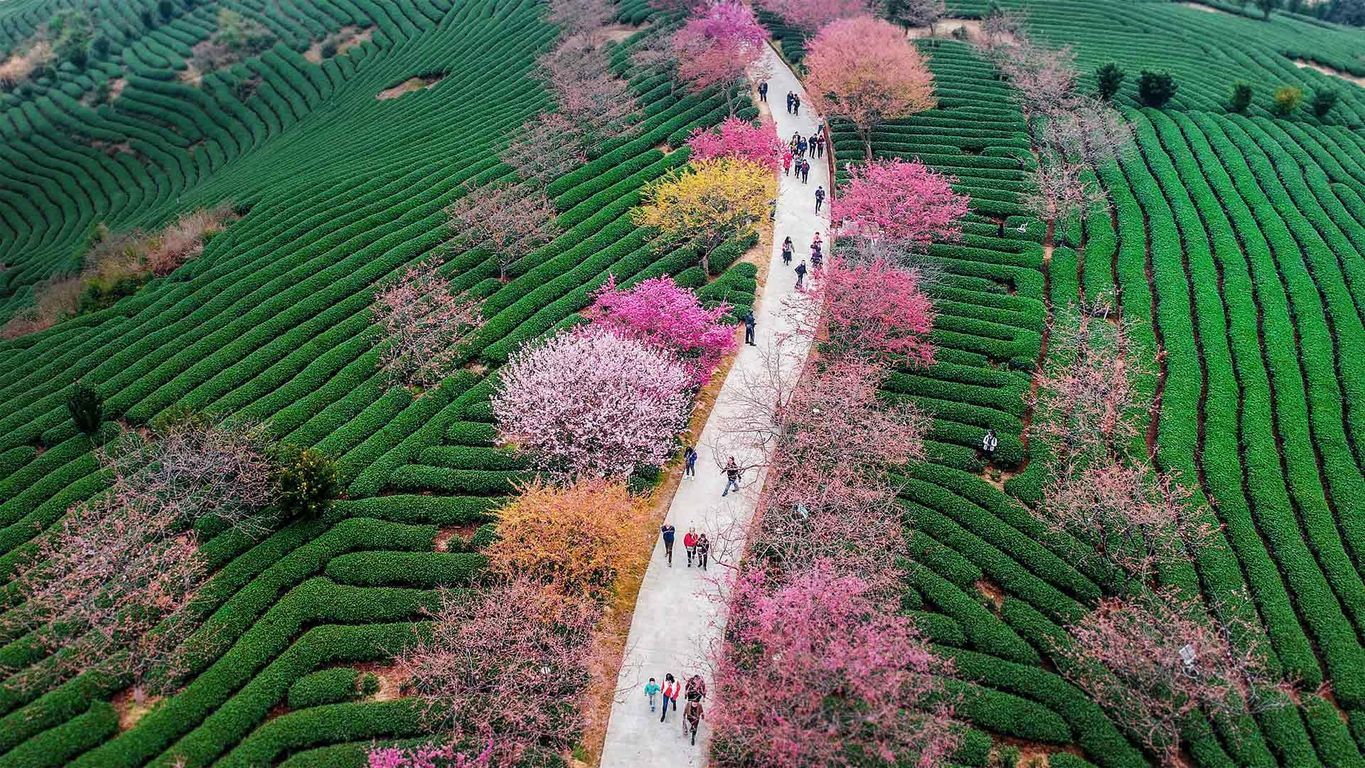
(1237, 241)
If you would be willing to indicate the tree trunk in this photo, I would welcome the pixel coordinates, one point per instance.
(867, 144)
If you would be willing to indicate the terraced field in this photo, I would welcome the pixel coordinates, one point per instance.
(340, 191)
(1235, 243)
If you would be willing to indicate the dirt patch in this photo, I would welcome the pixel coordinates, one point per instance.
(391, 680)
(408, 86)
(1313, 65)
(948, 28)
(618, 33)
(18, 67)
(1034, 754)
(445, 534)
(131, 707)
(992, 592)
(1202, 7)
(341, 42)
(116, 87)
(191, 75)
(112, 149)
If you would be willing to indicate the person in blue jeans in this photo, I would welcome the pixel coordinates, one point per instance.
(651, 690)
(689, 462)
(668, 531)
(732, 475)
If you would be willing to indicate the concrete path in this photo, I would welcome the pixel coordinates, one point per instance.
(677, 618)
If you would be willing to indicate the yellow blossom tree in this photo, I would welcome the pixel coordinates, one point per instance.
(578, 538)
(708, 203)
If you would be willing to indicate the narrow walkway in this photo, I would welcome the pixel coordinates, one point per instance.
(677, 618)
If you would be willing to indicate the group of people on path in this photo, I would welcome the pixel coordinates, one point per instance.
(793, 103)
(799, 149)
(694, 691)
(697, 545)
(817, 254)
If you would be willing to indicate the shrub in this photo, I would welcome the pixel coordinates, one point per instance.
(1108, 80)
(86, 407)
(305, 482)
(1286, 100)
(1155, 88)
(1241, 98)
(1323, 101)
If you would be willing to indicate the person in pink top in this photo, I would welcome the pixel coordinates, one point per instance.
(787, 162)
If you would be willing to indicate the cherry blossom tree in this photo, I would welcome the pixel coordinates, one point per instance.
(921, 13)
(578, 538)
(739, 139)
(858, 684)
(577, 17)
(504, 665)
(1136, 518)
(661, 313)
(707, 204)
(869, 310)
(1154, 659)
(1044, 79)
(863, 71)
(592, 403)
(1088, 132)
(110, 592)
(587, 91)
(1085, 398)
(900, 201)
(717, 48)
(810, 15)
(423, 324)
(545, 147)
(510, 220)
(1001, 28)
(1057, 192)
(427, 756)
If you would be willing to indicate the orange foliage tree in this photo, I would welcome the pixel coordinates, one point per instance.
(578, 538)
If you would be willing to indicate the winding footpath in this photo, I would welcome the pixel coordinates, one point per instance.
(678, 615)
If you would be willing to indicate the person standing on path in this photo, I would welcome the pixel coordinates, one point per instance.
(989, 442)
(651, 690)
(805, 171)
(668, 531)
(796, 104)
(800, 276)
(819, 198)
(801, 146)
(787, 249)
(763, 91)
(787, 163)
(670, 692)
(790, 98)
(749, 323)
(703, 550)
(689, 462)
(690, 545)
(732, 476)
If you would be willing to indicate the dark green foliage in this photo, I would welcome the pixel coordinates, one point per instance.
(86, 407)
(165, 8)
(1155, 88)
(326, 686)
(1323, 101)
(1266, 6)
(1108, 80)
(306, 483)
(1241, 98)
(71, 32)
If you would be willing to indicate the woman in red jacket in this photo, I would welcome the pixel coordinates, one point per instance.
(670, 691)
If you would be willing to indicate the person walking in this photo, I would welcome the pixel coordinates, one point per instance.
(801, 146)
(689, 462)
(787, 249)
(763, 91)
(787, 163)
(732, 476)
(749, 323)
(651, 691)
(670, 692)
(819, 145)
(703, 550)
(668, 531)
(790, 98)
(796, 104)
(817, 258)
(800, 278)
(805, 171)
(819, 198)
(989, 442)
(690, 545)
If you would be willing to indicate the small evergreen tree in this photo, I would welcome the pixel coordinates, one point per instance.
(1287, 99)
(1155, 88)
(86, 407)
(1109, 78)
(1241, 98)
(306, 483)
(1323, 101)
(1266, 6)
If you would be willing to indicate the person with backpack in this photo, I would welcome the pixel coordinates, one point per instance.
(819, 198)
(668, 532)
(690, 545)
(670, 691)
(732, 476)
(800, 274)
(689, 462)
(703, 550)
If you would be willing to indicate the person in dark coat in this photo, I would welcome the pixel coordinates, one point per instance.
(749, 323)
(819, 198)
(787, 249)
(800, 274)
(763, 91)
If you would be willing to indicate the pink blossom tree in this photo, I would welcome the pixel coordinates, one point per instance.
(502, 666)
(592, 402)
(110, 592)
(739, 139)
(1044, 79)
(661, 313)
(1153, 660)
(869, 310)
(423, 324)
(509, 220)
(899, 201)
(545, 147)
(859, 685)
(1136, 518)
(427, 756)
(717, 48)
(587, 91)
(863, 71)
(810, 15)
